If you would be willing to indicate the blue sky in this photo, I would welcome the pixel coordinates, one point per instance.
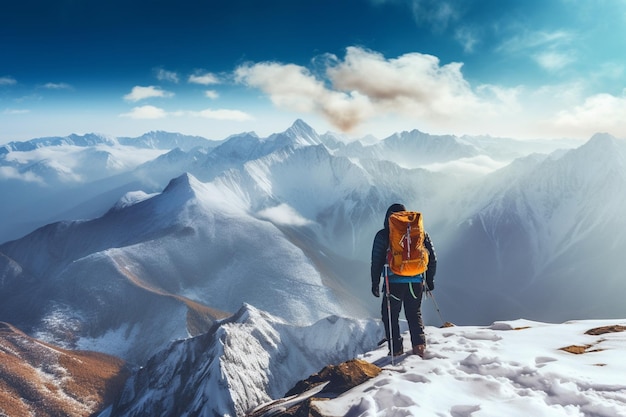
(516, 68)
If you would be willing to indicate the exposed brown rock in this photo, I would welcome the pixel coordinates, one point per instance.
(40, 379)
(341, 377)
(606, 329)
(576, 349)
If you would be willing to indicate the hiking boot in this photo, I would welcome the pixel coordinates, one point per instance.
(397, 352)
(419, 350)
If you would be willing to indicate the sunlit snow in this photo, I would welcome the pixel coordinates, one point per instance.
(512, 368)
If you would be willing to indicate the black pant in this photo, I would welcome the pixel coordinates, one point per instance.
(401, 294)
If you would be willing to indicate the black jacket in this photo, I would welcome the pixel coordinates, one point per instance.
(381, 244)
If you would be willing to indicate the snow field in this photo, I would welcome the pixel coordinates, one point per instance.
(511, 368)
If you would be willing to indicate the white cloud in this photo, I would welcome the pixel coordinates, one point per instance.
(478, 166)
(467, 37)
(551, 50)
(367, 90)
(530, 40)
(598, 113)
(412, 83)
(223, 114)
(146, 112)
(293, 87)
(16, 111)
(165, 75)
(57, 86)
(141, 93)
(152, 112)
(6, 80)
(553, 61)
(366, 84)
(436, 13)
(212, 94)
(7, 173)
(204, 79)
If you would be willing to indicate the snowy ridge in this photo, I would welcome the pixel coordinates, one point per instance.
(167, 140)
(242, 362)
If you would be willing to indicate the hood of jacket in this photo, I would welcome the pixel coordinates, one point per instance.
(392, 209)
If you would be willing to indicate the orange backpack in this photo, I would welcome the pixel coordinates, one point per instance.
(407, 255)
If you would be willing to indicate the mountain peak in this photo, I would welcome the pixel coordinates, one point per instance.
(601, 146)
(603, 139)
(302, 133)
(183, 183)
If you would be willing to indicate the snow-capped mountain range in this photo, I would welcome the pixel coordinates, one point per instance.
(123, 245)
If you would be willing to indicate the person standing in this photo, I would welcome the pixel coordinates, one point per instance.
(403, 290)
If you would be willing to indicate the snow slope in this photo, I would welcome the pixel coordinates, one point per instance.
(513, 368)
(510, 368)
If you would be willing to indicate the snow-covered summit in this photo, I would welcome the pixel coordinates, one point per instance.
(302, 134)
(512, 368)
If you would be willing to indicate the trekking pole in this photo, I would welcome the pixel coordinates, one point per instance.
(430, 293)
(388, 295)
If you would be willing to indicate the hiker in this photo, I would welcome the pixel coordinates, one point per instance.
(404, 290)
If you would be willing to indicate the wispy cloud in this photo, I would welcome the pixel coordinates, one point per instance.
(223, 114)
(212, 94)
(16, 111)
(145, 112)
(528, 40)
(553, 61)
(468, 38)
(551, 50)
(204, 79)
(57, 86)
(153, 112)
(8, 172)
(141, 93)
(436, 13)
(7, 80)
(165, 75)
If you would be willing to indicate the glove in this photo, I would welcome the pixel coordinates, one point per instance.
(430, 283)
(375, 290)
